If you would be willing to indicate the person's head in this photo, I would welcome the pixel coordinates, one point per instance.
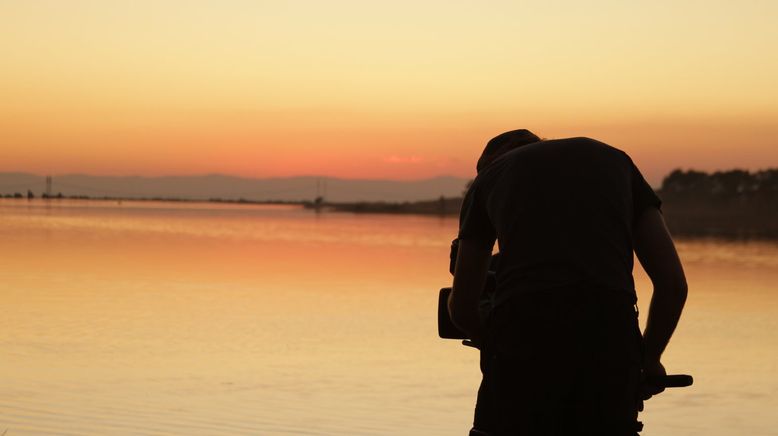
(504, 143)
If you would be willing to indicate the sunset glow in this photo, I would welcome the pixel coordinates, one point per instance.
(400, 89)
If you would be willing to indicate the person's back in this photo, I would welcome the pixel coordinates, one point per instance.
(564, 340)
(563, 213)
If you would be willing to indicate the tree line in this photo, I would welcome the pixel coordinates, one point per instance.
(720, 185)
(726, 203)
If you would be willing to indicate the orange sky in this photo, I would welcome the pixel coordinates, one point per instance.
(402, 89)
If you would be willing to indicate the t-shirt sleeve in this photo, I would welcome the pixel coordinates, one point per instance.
(474, 222)
(643, 196)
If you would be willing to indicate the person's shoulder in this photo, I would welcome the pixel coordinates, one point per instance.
(583, 141)
(592, 145)
(485, 181)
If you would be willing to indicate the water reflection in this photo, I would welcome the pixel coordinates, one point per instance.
(223, 319)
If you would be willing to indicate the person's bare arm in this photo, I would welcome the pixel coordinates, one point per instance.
(656, 252)
(469, 279)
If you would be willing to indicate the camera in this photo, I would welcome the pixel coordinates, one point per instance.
(446, 328)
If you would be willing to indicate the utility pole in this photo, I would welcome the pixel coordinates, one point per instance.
(48, 186)
(321, 191)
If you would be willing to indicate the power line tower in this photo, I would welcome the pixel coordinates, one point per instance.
(321, 188)
(321, 193)
(49, 182)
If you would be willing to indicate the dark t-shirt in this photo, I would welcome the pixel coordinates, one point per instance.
(562, 212)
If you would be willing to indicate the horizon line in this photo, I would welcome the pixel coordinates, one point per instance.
(302, 176)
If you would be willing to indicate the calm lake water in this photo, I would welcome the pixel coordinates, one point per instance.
(169, 319)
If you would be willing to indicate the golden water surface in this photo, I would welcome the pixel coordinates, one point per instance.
(166, 319)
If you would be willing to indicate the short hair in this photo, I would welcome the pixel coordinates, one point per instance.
(504, 143)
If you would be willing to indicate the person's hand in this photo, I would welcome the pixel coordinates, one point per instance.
(648, 389)
(471, 343)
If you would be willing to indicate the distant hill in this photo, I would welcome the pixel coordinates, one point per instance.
(234, 188)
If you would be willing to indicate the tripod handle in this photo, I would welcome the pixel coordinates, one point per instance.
(671, 381)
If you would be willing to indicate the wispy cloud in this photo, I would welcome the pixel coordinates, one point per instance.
(412, 160)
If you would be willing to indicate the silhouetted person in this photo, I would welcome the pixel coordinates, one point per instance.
(484, 410)
(563, 353)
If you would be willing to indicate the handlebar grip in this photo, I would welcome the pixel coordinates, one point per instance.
(671, 381)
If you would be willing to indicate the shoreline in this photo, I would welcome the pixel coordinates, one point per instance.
(160, 200)
(682, 218)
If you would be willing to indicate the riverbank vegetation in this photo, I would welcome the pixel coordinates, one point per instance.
(733, 203)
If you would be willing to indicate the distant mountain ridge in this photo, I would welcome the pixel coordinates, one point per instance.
(233, 188)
